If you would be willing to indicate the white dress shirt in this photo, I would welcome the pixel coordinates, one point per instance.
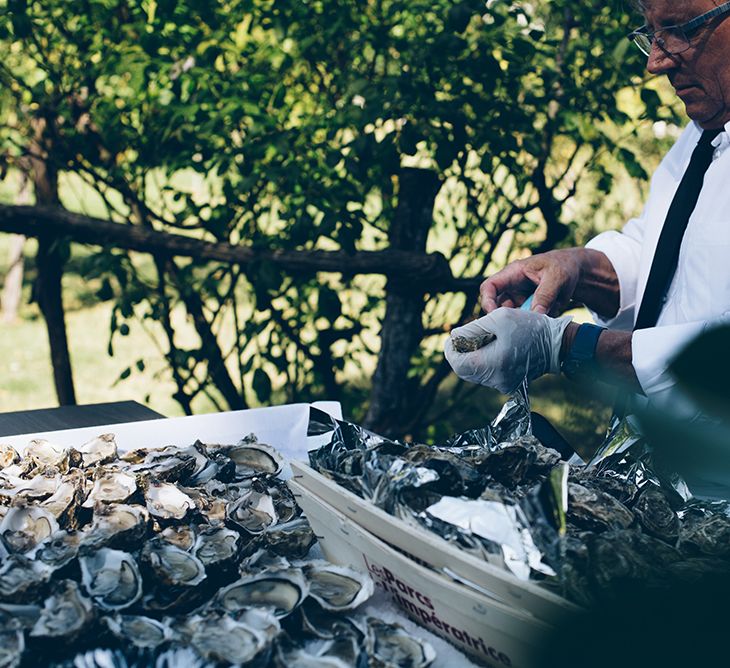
(699, 295)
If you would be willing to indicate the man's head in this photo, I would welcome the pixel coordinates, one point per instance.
(701, 73)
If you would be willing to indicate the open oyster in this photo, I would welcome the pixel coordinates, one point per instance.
(281, 591)
(252, 458)
(111, 486)
(99, 450)
(254, 510)
(111, 578)
(66, 613)
(390, 645)
(142, 632)
(165, 501)
(24, 527)
(220, 638)
(337, 587)
(172, 566)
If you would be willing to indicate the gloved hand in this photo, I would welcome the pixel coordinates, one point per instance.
(527, 344)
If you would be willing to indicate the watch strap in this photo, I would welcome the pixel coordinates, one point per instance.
(581, 357)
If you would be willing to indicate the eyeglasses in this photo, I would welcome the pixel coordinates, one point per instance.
(674, 39)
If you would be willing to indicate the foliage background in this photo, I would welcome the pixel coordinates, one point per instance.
(281, 124)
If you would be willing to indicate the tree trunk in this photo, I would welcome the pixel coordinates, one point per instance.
(50, 260)
(402, 329)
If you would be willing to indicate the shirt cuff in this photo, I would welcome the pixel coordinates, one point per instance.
(623, 253)
(652, 351)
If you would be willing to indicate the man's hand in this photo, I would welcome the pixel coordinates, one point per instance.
(555, 278)
(527, 344)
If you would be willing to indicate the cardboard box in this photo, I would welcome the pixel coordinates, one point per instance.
(487, 629)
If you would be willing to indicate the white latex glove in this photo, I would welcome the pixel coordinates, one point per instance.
(527, 344)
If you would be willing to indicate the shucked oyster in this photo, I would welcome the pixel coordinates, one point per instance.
(252, 458)
(8, 455)
(65, 613)
(390, 645)
(217, 547)
(337, 587)
(99, 450)
(23, 528)
(281, 591)
(117, 525)
(44, 453)
(291, 539)
(165, 501)
(142, 632)
(111, 486)
(222, 639)
(254, 510)
(21, 579)
(172, 566)
(111, 578)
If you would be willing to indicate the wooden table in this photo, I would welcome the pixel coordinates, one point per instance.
(71, 417)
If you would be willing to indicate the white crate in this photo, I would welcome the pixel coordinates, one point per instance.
(433, 550)
(486, 629)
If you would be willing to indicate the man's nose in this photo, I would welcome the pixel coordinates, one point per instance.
(659, 60)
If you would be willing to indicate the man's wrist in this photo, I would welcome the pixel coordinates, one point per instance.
(568, 338)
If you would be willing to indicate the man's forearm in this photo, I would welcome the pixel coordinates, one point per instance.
(598, 286)
(613, 356)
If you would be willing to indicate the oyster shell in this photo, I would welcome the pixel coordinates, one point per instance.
(18, 617)
(181, 536)
(112, 578)
(337, 588)
(98, 450)
(12, 646)
(391, 645)
(142, 632)
(291, 539)
(217, 547)
(8, 455)
(64, 503)
(43, 453)
(709, 536)
(165, 501)
(656, 515)
(281, 591)
(117, 525)
(253, 511)
(252, 458)
(111, 486)
(595, 510)
(66, 613)
(23, 528)
(172, 566)
(21, 579)
(220, 638)
(60, 549)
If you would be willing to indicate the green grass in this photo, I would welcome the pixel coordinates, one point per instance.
(26, 377)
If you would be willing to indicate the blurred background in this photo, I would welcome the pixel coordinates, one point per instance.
(305, 195)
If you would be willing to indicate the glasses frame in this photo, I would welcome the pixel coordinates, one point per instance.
(686, 28)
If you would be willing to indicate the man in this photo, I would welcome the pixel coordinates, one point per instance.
(675, 295)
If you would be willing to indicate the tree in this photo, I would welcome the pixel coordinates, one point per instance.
(462, 128)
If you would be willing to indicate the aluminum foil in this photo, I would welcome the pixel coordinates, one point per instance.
(479, 490)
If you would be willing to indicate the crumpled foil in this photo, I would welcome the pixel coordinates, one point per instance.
(437, 486)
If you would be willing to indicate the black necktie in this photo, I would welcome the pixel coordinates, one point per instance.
(667, 251)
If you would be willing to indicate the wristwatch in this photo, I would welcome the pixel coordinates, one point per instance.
(580, 361)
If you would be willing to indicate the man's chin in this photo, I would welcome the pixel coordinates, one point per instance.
(706, 117)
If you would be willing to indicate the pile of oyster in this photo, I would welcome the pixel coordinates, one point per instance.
(153, 554)
(585, 531)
